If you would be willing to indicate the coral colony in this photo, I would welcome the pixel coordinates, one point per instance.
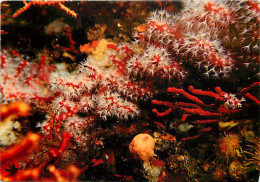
(142, 96)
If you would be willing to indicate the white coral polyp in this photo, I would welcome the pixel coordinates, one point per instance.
(154, 62)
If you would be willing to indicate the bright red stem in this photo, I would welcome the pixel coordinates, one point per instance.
(160, 125)
(206, 93)
(190, 138)
(206, 121)
(20, 150)
(184, 117)
(187, 95)
(200, 112)
(162, 114)
(220, 92)
(164, 103)
(247, 88)
(65, 141)
(205, 130)
(253, 98)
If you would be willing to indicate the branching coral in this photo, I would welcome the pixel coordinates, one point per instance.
(21, 79)
(20, 152)
(206, 34)
(88, 108)
(226, 105)
(103, 92)
(60, 4)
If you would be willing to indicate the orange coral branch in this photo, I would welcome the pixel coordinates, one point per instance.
(27, 5)
(68, 11)
(16, 109)
(23, 9)
(20, 150)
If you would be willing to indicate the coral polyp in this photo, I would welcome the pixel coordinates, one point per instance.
(129, 91)
(229, 146)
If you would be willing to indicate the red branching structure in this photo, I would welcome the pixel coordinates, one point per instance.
(68, 34)
(165, 49)
(102, 93)
(14, 110)
(19, 152)
(60, 4)
(225, 105)
(163, 46)
(248, 95)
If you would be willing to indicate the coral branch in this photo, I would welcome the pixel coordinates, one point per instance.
(248, 88)
(205, 130)
(14, 109)
(190, 138)
(206, 93)
(187, 95)
(70, 174)
(65, 141)
(189, 105)
(160, 125)
(220, 92)
(27, 5)
(67, 10)
(163, 103)
(200, 112)
(23, 9)
(184, 117)
(253, 98)
(162, 114)
(32, 174)
(226, 107)
(207, 121)
(71, 41)
(20, 150)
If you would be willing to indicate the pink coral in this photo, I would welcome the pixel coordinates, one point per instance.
(21, 79)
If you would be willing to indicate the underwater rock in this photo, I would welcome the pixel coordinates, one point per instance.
(56, 27)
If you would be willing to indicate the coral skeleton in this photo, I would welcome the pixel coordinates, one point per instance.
(60, 4)
(225, 105)
(158, 85)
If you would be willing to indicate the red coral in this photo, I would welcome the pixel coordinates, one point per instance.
(226, 105)
(25, 80)
(19, 151)
(22, 150)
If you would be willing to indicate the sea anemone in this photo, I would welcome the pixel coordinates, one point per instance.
(228, 146)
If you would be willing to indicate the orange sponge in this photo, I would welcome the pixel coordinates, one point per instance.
(142, 146)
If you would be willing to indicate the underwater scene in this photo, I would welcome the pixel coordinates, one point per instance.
(130, 91)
